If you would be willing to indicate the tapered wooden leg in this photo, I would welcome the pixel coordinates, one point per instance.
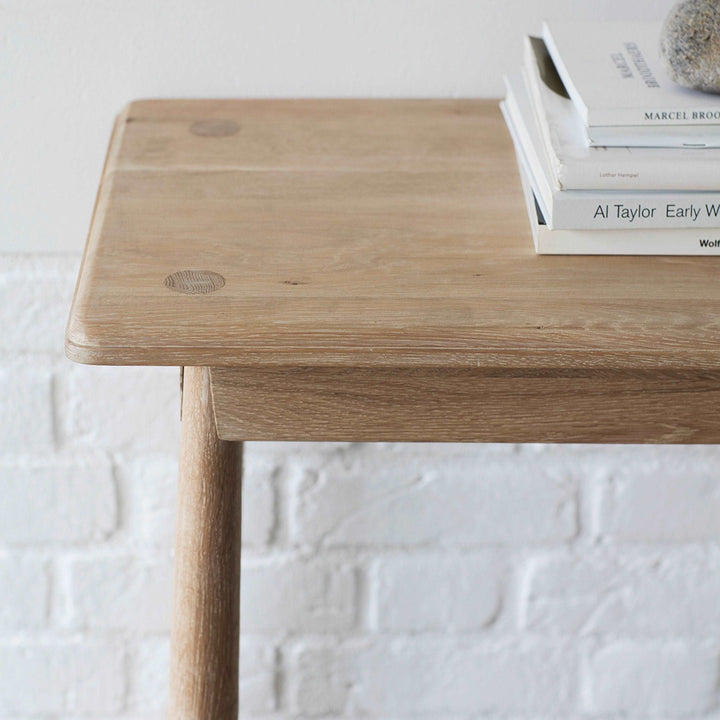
(206, 601)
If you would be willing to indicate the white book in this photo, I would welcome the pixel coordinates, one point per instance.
(575, 166)
(598, 209)
(615, 76)
(551, 98)
(685, 241)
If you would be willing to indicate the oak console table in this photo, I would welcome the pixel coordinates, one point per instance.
(362, 270)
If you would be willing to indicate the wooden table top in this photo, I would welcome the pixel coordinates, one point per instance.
(361, 233)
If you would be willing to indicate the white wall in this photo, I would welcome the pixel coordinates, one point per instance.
(450, 582)
(69, 65)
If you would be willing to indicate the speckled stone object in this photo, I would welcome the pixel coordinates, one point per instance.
(690, 44)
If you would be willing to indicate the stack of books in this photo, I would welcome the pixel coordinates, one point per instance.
(615, 159)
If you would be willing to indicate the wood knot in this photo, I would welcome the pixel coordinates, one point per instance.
(214, 128)
(194, 282)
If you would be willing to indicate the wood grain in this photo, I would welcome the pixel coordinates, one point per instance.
(467, 405)
(206, 598)
(359, 233)
(304, 135)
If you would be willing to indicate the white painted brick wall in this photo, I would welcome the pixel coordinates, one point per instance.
(672, 678)
(461, 593)
(452, 582)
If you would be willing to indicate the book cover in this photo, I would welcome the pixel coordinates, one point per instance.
(614, 75)
(598, 209)
(682, 241)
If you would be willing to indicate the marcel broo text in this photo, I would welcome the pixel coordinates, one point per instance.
(670, 115)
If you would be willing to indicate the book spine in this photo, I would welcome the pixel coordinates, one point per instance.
(663, 242)
(588, 210)
(633, 174)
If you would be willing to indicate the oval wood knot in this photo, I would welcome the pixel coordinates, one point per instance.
(194, 282)
(214, 128)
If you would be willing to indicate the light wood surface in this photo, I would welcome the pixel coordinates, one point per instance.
(376, 233)
(206, 597)
(467, 405)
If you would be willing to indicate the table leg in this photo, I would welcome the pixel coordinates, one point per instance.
(206, 602)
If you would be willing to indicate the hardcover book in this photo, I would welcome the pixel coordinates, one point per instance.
(681, 241)
(614, 75)
(597, 209)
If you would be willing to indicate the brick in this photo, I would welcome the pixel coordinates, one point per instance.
(290, 595)
(148, 689)
(34, 304)
(260, 475)
(116, 593)
(662, 504)
(149, 490)
(673, 592)
(62, 503)
(120, 408)
(26, 411)
(462, 502)
(651, 679)
(148, 694)
(431, 676)
(258, 677)
(430, 592)
(79, 677)
(25, 588)
(320, 680)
